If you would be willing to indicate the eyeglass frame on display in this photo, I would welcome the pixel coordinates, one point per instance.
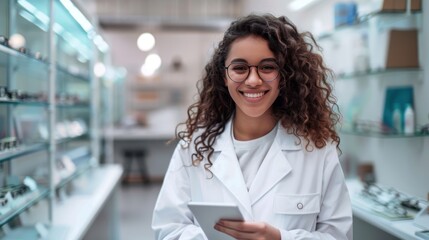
(4, 41)
(258, 68)
(8, 143)
(37, 55)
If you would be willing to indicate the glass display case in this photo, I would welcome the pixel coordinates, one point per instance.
(48, 110)
(24, 114)
(74, 51)
(367, 63)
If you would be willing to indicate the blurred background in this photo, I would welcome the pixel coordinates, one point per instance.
(91, 92)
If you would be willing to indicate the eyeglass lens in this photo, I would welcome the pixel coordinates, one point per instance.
(267, 71)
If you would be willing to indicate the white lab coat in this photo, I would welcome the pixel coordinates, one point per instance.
(301, 192)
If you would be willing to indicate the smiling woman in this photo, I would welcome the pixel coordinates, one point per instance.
(253, 90)
(261, 136)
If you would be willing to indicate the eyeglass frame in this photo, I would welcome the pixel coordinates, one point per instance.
(257, 71)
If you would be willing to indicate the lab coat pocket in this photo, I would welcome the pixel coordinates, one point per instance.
(297, 204)
(297, 211)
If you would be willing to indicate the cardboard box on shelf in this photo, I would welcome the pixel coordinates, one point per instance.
(388, 5)
(402, 50)
(393, 5)
(416, 5)
(394, 48)
(400, 5)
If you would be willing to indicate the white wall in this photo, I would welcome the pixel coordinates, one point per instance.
(192, 47)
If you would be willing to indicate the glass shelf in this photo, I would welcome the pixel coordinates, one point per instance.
(8, 52)
(379, 72)
(362, 21)
(383, 135)
(77, 76)
(31, 199)
(26, 103)
(44, 104)
(22, 150)
(79, 171)
(26, 73)
(74, 105)
(66, 140)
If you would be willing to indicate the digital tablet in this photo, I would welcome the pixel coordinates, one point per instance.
(208, 214)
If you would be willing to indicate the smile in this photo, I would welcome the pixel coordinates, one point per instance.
(254, 95)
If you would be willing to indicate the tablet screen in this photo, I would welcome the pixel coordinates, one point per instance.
(208, 214)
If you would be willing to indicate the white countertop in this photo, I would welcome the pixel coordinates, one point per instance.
(78, 211)
(403, 229)
(139, 133)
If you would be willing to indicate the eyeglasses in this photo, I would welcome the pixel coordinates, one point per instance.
(239, 72)
(4, 41)
(8, 143)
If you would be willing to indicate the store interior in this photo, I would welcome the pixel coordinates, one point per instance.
(91, 93)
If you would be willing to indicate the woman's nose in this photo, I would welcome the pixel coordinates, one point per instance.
(253, 79)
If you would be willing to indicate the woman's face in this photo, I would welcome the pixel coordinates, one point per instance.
(253, 97)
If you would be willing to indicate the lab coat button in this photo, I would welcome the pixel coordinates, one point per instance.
(299, 206)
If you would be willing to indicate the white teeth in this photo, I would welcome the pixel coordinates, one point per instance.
(253, 95)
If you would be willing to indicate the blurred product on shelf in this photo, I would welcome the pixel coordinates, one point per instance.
(8, 144)
(394, 5)
(15, 190)
(409, 120)
(4, 40)
(368, 126)
(396, 99)
(403, 49)
(3, 93)
(17, 41)
(397, 118)
(366, 173)
(345, 13)
(400, 5)
(386, 201)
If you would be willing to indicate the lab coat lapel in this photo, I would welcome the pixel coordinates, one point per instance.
(227, 169)
(275, 165)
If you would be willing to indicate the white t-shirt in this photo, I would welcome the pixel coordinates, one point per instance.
(250, 154)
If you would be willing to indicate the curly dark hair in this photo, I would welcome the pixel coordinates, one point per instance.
(305, 105)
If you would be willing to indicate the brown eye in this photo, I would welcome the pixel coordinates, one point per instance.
(239, 68)
(267, 68)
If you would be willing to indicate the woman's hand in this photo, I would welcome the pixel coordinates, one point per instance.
(248, 230)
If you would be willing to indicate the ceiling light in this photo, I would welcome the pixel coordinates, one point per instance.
(99, 69)
(297, 5)
(77, 15)
(146, 42)
(151, 65)
(153, 60)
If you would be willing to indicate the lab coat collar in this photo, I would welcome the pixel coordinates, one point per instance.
(274, 167)
(226, 168)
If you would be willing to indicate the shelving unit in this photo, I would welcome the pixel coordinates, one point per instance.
(363, 22)
(383, 135)
(379, 78)
(381, 73)
(49, 119)
(362, 90)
